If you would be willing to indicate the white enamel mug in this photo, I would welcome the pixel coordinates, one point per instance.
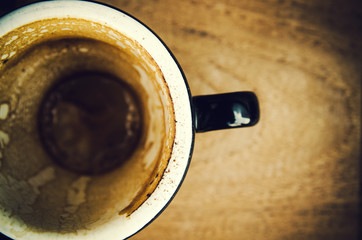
(40, 199)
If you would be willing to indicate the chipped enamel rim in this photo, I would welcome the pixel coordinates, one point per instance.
(122, 227)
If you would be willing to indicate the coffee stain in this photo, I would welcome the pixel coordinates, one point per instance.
(4, 110)
(142, 196)
(16, 195)
(4, 139)
(77, 194)
(41, 179)
(12, 54)
(4, 56)
(13, 38)
(150, 187)
(77, 197)
(19, 195)
(166, 150)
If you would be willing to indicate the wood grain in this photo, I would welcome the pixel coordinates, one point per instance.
(296, 175)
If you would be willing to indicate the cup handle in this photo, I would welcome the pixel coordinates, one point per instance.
(224, 111)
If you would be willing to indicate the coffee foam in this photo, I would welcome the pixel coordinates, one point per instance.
(35, 191)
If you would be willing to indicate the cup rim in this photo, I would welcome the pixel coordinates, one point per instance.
(180, 93)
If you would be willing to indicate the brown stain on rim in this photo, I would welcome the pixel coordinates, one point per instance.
(151, 186)
(141, 196)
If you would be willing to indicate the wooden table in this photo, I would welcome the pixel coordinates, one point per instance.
(296, 175)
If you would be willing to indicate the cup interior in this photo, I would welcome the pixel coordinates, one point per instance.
(37, 193)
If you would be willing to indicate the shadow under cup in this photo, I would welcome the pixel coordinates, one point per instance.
(77, 95)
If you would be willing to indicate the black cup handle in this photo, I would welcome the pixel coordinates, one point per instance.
(224, 111)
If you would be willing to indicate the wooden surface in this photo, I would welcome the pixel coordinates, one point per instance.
(296, 175)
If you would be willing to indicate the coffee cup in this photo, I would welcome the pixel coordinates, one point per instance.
(97, 122)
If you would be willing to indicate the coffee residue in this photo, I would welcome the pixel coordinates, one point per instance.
(90, 122)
